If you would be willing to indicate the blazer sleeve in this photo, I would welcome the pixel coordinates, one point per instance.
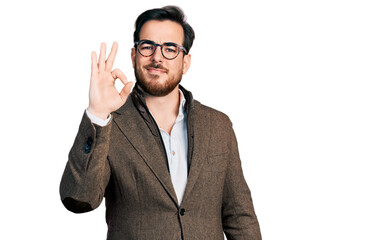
(239, 220)
(87, 171)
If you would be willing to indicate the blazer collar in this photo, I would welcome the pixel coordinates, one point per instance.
(146, 141)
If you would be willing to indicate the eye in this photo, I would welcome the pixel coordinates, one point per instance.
(171, 49)
(146, 47)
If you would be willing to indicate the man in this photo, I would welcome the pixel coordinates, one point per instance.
(167, 165)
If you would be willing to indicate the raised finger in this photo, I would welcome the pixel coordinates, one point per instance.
(94, 64)
(111, 56)
(102, 57)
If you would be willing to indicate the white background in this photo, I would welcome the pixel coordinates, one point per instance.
(297, 78)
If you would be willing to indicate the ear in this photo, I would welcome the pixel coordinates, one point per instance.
(186, 63)
(133, 56)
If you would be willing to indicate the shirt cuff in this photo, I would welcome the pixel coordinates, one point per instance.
(97, 120)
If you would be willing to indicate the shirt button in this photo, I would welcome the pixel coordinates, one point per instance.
(182, 211)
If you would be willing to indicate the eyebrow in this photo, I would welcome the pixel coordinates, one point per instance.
(166, 43)
(146, 41)
(170, 44)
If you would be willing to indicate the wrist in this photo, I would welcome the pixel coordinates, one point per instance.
(98, 114)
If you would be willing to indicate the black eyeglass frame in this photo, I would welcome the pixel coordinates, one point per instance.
(161, 45)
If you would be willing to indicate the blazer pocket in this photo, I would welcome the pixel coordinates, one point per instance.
(218, 162)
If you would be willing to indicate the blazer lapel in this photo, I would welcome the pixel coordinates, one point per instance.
(137, 130)
(200, 144)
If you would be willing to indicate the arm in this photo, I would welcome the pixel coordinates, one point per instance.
(238, 216)
(87, 171)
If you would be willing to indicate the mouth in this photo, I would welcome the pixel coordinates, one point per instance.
(156, 70)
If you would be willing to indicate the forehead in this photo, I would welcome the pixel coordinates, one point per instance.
(162, 31)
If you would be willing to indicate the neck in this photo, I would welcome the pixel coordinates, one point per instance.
(164, 109)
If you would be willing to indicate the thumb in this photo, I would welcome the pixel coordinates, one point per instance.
(124, 93)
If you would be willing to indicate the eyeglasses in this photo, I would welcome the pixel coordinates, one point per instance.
(169, 50)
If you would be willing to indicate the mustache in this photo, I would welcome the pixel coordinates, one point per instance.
(156, 66)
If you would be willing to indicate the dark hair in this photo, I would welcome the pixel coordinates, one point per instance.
(171, 13)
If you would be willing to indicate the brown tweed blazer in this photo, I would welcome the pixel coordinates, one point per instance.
(125, 162)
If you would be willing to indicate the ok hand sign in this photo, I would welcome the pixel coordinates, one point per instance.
(104, 98)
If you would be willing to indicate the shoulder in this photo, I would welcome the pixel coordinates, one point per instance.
(215, 116)
(216, 126)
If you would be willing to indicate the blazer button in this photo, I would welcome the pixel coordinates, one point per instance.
(88, 144)
(182, 212)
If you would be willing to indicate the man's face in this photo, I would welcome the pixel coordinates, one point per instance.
(157, 75)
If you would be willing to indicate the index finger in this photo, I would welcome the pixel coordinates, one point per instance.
(102, 57)
(111, 57)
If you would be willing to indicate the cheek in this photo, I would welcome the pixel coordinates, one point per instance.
(176, 68)
(139, 64)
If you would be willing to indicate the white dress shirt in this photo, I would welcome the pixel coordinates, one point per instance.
(176, 146)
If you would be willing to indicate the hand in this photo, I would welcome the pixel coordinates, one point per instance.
(104, 98)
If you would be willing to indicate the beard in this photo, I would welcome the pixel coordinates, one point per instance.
(154, 87)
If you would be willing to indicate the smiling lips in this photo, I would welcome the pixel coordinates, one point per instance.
(156, 70)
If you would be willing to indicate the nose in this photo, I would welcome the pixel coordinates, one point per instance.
(157, 55)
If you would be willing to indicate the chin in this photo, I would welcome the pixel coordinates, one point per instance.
(157, 85)
(156, 88)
